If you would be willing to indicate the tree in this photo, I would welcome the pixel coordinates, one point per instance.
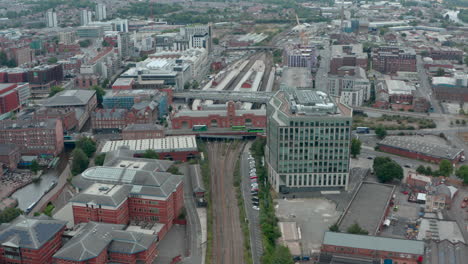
(105, 83)
(80, 161)
(216, 41)
(150, 154)
(99, 159)
(52, 60)
(421, 169)
(355, 147)
(424, 53)
(381, 132)
(105, 43)
(334, 228)
(440, 72)
(9, 214)
(403, 35)
(387, 169)
(87, 145)
(357, 230)
(462, 173)
(84, 43)
(55, 90)
(34, 166)
(281, 255)
(445, 168)
(186, 86)
(99, 93)
(195, 84)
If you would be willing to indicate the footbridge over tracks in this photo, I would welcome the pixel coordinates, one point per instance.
(252, 97)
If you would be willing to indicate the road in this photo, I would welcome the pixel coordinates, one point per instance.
(228, 246)
(194, 245)
(321, 77)
(425, 87)
(252, 215)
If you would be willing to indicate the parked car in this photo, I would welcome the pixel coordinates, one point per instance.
(407, 166)
(255, 203)
(253, 177)
(255, 199)
(256, 208)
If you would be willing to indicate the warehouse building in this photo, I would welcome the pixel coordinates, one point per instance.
(173, 148)
(418, 149)
(367, 249)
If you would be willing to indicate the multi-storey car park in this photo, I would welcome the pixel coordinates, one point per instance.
(308, 139)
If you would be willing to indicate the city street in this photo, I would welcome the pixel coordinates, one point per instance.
(321, 77)
(425, 87)
(253, 215)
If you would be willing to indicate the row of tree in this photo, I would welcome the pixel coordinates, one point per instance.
(84, 149)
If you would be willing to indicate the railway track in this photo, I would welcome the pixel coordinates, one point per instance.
(241, 74)
(227, 234)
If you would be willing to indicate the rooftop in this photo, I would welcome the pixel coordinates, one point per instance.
(71, 98)
(367, 207)
(417, 145)
(32, 233)
(220, 112)
(22, 124)
(440, 230)
(339, 51)
(446, 252)
(167, 144)
(94, 237)
(399, 87)
(374, 243)
(123, 82)
(103, 194)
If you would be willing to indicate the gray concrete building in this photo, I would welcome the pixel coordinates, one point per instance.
(308, 140)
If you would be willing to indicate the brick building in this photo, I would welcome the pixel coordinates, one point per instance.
(9, 100)
(365, 249)
(186, 119)
(66, 115)
(129, 189)
(418, 149)
(30, 240)
(33, 137)
(391, 60)
(42, 78)
(141, 113)
(347, 55)
(83, 101)
(86, 81)
(10, 155)
(446, 53)
(142, 131)
(100, 243)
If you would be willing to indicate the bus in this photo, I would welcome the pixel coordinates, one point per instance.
(199, 128)
(238, 128)
(255, 130)
(362, 130)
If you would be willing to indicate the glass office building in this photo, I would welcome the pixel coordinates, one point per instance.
(308, 141)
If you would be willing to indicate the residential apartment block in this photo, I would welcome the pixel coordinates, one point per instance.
(351, 84)
(308, 140)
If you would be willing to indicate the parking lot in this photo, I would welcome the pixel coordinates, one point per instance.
(313, 216)
(251, 207)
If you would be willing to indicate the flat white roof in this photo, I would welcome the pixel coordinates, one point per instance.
(167, 144)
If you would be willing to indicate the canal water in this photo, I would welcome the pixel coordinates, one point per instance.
(34, 191)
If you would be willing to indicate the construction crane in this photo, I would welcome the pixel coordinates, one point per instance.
(302, 33)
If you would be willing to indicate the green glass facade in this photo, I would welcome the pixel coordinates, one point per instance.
(307, 150)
